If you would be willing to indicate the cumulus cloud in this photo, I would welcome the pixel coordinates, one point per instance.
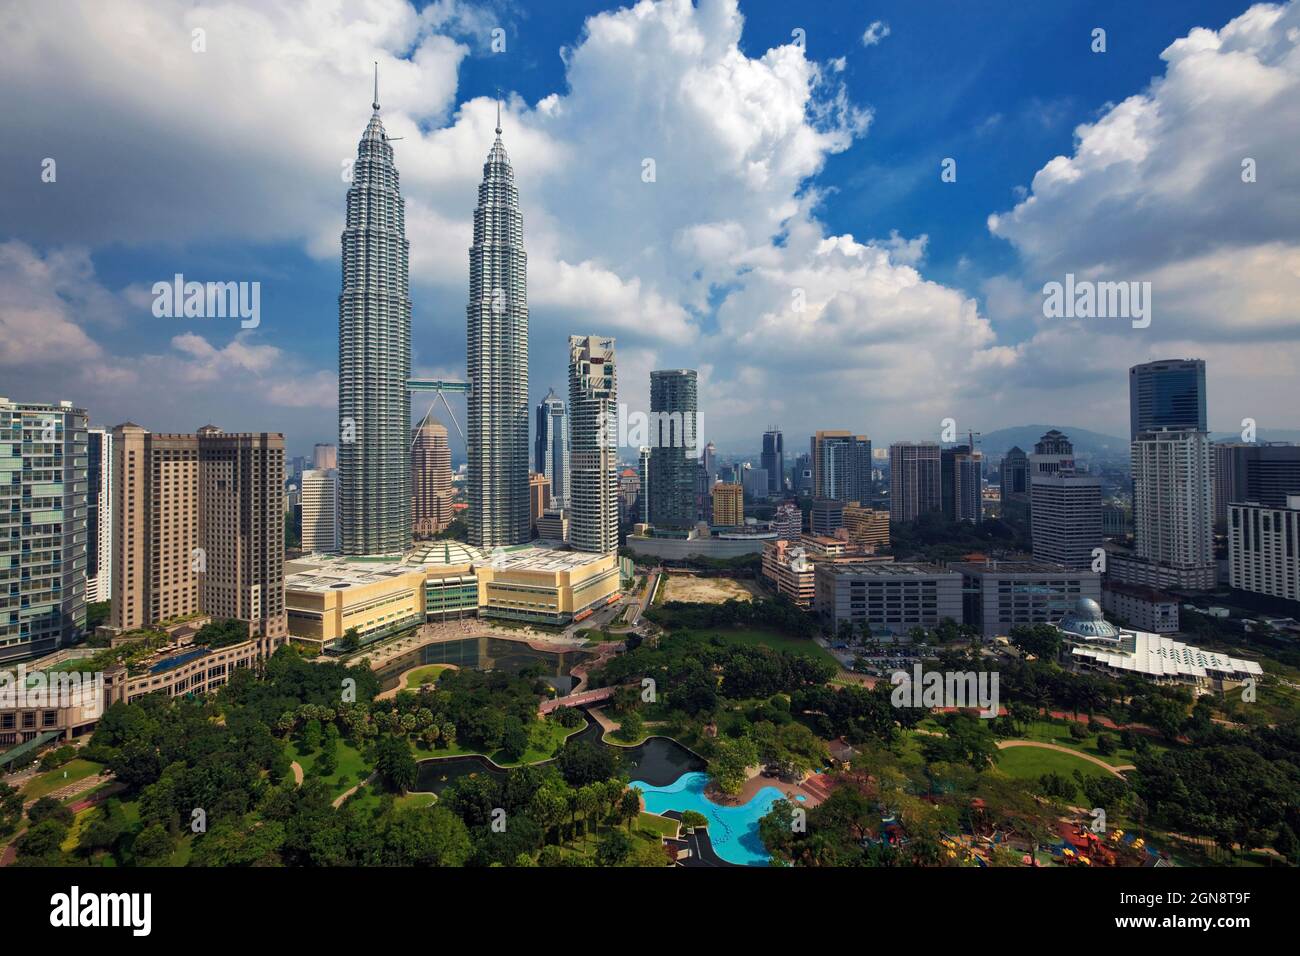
(1155, 190)
(875, 32)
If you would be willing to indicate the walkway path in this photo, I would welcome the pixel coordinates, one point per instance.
(340, 800)
(1110, 768)
(74, 788)
(296, 767)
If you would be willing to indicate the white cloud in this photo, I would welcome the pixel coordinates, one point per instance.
(876, 32)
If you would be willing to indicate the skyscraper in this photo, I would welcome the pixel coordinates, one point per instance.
(431, 493)
(551, 451)
(728, 504)
(1173, 507)
(841, 466)
(773, 460)
(99, 515)
(43, 504)
(593, 485)
(674, 445)
(914, 480)
(1265, 473)
(960, 485)
(497, 325)
(320, 511)
(1166, 394)
(375, 355)
(325, 457)
(199, 527)
(1065, 507)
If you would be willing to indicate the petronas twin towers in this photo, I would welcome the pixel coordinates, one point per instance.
(375, 358)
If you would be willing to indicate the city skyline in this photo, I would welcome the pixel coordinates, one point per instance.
(968, 262)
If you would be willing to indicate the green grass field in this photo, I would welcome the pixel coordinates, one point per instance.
(424, 675)
(544, 738)
(1051, 732)
(52, 780)
(352, 767)
(753, 637)
(1030, 763)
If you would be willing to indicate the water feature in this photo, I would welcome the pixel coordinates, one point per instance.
(481, 654)
(733, 830)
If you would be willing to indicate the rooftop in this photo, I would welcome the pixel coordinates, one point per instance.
(887, 569)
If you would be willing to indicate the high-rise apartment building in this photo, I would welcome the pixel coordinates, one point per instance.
(914, 480)
(320, 511)
(674, 446)
(43, 535)
(375, 355)
(199, 528)
(497, 327)
(728, 504)
(772, 460)
(431, 491)
(1173, 509)
(593, 451)
(787, 522)
(551, 451)
(1264, 548)
(1167, 394)
(841, 464)
(643, 472)
(325, 457)
(99, 515)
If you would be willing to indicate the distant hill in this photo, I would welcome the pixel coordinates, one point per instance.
(1087, 444)
(1264, 434)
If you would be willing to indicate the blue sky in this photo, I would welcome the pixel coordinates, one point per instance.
(782, 172)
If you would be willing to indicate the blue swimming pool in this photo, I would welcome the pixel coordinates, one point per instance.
(732, 830)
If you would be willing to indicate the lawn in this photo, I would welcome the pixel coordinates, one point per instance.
(1052, 732)
(52, 780)
(751, 637)
(544, 739)
(1030, 763)
(352, 767)
(653, 823)
(424, 675)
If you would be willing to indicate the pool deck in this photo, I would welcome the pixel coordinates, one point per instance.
(791, 791)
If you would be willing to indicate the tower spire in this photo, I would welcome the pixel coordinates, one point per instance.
(498, 111)
(375, 103)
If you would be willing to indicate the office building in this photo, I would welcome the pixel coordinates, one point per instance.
(787, 522)
(320, 507)
(1266, 473)
(43, 488)
(539, 497)
(431, 490)
(1014, 473)
(551, 449)
(728, 505)
(674, 410)
(199, 529)
(1167, 394)
(891, 598)
(914, 480)
(826, 517)
(961, 484)
(803, 475)
(593, 479)
(773, 460)
(643, 472)
(1264, 548)
(755, 483)
(841, 464)
(866, 527)
(1000, 595)
(1145, 609)
(325, 457)
(1065, 507)
(497, 320)
(99, 515)
(553, 526)
(374, 461)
